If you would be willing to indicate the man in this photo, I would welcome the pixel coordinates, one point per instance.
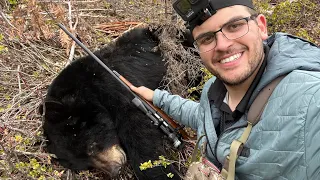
(234, 46)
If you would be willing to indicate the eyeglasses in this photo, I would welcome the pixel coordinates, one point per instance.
(231, 30)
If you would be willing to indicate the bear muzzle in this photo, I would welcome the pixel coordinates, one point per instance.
(110, 160)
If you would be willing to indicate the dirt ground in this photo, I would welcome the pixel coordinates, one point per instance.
(33, 51)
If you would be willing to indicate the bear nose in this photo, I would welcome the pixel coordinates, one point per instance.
(115, 170)
(110, 160)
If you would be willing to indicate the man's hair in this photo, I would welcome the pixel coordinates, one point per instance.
(251, 11)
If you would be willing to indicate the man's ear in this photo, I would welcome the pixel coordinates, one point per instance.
(262, 24)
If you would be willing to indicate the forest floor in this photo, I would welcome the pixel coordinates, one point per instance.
(33, 51)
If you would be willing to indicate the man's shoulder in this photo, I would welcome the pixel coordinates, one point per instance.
(304, 75)
(301, 82)
(287, 38)
(287, 54)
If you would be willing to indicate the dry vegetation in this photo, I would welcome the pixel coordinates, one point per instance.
(33, 51)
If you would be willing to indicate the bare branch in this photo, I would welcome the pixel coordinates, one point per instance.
(6, 19)
(66, 2)
(8, 156)
(80, 10)
(35, 154)
(18, 75)
(73, 29)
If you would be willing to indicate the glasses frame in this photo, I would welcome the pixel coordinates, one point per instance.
(252, 17)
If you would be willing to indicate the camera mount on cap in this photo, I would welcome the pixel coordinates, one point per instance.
(194, 12)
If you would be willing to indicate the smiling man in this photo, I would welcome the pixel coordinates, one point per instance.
(230, 45)
(232, 40)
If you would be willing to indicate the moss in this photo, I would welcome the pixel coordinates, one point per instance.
(304, 34)
(300, 17)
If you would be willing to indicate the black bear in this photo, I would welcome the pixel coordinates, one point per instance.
(90, 120)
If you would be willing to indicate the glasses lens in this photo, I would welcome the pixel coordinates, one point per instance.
(206, 42)
(236, 29)
(231, 30)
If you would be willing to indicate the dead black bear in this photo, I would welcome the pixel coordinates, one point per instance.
(90, 120)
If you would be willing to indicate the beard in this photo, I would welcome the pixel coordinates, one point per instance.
(253, 65)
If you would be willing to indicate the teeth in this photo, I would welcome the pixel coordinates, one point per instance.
(231, 58)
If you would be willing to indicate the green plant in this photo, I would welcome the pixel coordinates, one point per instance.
(35, 170)
(300, 17)
(162, 161)
(13, 3)
(304, 34)
(3, 48)
(197, 89)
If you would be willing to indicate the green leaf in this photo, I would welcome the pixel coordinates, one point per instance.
(170, 175)
(145, 165)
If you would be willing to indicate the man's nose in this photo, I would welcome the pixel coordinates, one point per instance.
(223, 43)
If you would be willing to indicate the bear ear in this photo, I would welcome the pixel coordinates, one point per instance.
(187, 38)
(52, 109)
(50, 105)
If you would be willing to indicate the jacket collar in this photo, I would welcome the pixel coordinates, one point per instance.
(287, 53)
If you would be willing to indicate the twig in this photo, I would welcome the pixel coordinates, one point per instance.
(8, 157)
(165, 8)
(18, 75)
(7, 21)
(24, 82)
(20, 121)
(58, 1)
(73, 29)
(12, 70)
(91, 10)
(35, 154)
(3, 165)
(69, 174)
(20, 100)
(92, 16)
(17, 130)
(117, 24)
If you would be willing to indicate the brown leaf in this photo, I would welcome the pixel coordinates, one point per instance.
(65, 40)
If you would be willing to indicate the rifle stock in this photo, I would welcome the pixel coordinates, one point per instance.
(169, 120)
(162, 114)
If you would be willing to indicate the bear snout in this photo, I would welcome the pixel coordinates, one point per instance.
(110, 160)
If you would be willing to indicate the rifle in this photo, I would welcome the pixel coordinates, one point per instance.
(158, 117)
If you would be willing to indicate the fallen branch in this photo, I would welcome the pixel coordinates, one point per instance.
(116, 24)
(8, 157)
(58, 1)
(19, 81)
(116, 28)
(35, 154)
(6, 19)
(80, 10)
(73, 29)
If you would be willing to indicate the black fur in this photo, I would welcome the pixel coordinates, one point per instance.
(87, 111)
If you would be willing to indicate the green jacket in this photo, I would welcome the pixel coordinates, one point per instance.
(285, 143)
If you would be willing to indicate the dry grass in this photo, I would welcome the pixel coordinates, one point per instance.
(34, 52)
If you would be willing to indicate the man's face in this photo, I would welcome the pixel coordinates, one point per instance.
(233, 61)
